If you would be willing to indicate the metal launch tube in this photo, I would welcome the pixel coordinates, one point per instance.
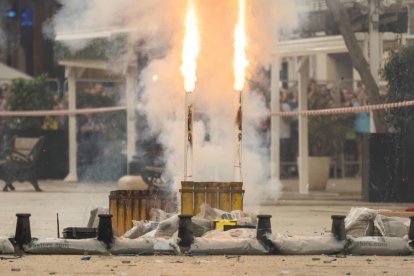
(188, 137)
(238, 137)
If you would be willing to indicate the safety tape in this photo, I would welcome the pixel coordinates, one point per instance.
(42, 113)
(329, 111)
(343, 110)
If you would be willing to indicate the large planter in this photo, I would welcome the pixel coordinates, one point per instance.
(318, 172)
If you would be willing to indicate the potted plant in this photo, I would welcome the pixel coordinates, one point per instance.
(326, 134)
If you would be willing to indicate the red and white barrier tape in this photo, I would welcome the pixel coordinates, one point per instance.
(340, 110)
(343, 110)
(42, 113)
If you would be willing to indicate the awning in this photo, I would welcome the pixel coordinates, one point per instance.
(311, 46)
(8, 73)
(91, 34)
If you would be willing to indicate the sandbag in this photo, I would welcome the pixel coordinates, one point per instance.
(6, 247)
(166, 246)
(64, 246)
(233, 233)
(158, 215)
(201, 226)
(167, 228)
(206, 212)
(140, 246)
(227, 246)
(391, 226)
(139, 229)
(380, 246)
(307, 245)
(359, 222)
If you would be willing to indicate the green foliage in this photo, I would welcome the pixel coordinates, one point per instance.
(398, 72)
(99, 49)
(29, 95)
(326, 132)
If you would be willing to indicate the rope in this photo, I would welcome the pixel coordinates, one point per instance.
(343, 110)
(67, 112)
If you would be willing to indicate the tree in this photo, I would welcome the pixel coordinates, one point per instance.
(358, 60)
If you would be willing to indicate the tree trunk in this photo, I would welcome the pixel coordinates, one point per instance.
(358, 60)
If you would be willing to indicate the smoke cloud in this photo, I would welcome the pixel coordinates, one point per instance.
(160, 24)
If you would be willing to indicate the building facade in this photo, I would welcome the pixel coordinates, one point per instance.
(24, 45)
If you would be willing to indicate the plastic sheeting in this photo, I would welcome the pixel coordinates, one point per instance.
(307, 245)
(381, 246)
(6, 247)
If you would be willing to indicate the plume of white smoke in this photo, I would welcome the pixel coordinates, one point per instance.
(160, 24)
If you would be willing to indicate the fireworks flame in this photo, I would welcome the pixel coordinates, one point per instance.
(191, 48)
(240, 44)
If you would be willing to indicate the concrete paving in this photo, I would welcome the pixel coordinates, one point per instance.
(292, 213)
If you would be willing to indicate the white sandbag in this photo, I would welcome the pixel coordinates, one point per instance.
(167, 228)
(227, 246)
(381, 246)
(65, 246)
(166, 246)
(150, 235)
(391, 226)
(140, 246)
(307, 245)
(209, 213)
(159, 215)
(233, 233)
(6, 247)
(359, 222)
(201, 226)
(139, 229)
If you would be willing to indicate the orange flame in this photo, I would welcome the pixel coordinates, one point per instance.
(240, 44)
(191, 48)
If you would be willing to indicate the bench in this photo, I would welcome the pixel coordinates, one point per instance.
(19, 162)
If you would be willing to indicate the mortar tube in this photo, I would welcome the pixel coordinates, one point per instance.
(238, 137)
(185, 230)
(411, 230)
(23, 234)
(338, 227)
(264, 227)
(105, 233)
(188, 136)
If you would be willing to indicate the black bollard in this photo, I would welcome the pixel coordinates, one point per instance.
(411, 230)
(105, 233)
(23, 234)
(338, 227)
(264, 227)
(185, 230)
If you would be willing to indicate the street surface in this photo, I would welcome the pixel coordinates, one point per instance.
(292, 214)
